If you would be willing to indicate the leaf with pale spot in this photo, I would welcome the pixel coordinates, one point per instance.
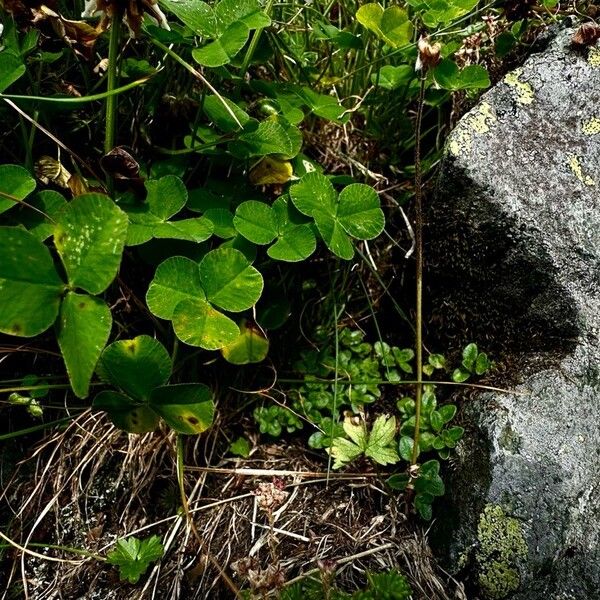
(82, 331)
(197, 323)
(89, 236)
(187, 408)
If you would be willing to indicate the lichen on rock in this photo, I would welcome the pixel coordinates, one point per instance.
(525, 93)
(500, 546)
(594, 57)
(577, 169)
(591, 126)
(515, 246)
(477, 121)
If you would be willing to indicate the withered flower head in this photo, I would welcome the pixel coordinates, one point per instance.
(132, 11)
(429, 54)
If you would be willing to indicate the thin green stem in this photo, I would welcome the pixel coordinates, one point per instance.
(112, 82)
(58, 547)
(419, 271)
(76, 102)
(253, 44)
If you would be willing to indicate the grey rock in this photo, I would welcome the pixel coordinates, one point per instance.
(515, 235)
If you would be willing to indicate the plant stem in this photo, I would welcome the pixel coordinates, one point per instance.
(190, 520)
(253, 44)
(419, 271)
(112, 82)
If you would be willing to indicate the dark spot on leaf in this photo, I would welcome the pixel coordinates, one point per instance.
(16, 328)
(82, 305)
(193, 420)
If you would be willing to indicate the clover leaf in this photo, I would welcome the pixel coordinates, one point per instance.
(139, 370)
(356, 212)
(89, 235)
(392, 25)
(190, 294)
(165, 198)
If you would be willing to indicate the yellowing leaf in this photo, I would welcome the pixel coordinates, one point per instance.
(378, 444)
(251, 346)
(271, 170)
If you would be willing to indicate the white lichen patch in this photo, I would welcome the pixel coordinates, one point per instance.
(524, 90)
(577, 169)
(594, 57)
(591, 126)
(479, 121)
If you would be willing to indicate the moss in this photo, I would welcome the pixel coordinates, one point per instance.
(525, 93)
(500, 547)
(577, 169)
(479, 121)
(591, 126)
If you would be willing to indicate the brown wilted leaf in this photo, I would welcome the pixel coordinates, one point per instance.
(23, 9)
(120, 164)
(49, 170)
(78, 34)
(587, 35)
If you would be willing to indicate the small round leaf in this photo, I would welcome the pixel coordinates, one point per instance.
(175, 279)
(229, 280)
(251, 346)
(135, 366)
(256, 222)
(197, 323)
(359, 211)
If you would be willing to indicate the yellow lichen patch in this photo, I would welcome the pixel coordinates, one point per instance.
(501, 547)
(591, 126)
(594, 57)
(575, 165)
(478, 121)
(525, 93)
